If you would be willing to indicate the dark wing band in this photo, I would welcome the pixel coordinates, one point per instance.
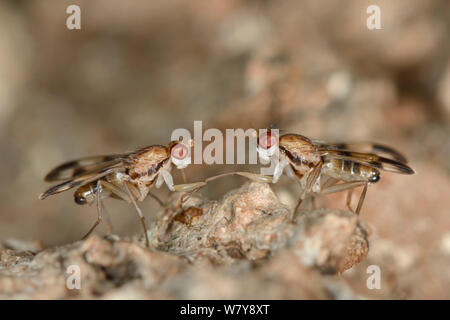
(368, 159)
(83, 179)
(74, 168)
(364, 147)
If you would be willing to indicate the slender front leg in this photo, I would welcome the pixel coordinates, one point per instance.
(167, 178)
(279, 168)
(299, 203)
(255, 177)
(191, 188)
(139, 211)
(195, 186)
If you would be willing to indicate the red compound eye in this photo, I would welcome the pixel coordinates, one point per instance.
(180, 151)
(267, 140)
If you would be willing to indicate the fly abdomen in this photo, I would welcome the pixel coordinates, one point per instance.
(86, 194)
(347, 170)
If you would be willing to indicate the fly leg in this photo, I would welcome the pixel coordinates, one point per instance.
(349, 186)
(198, 185)
(361, 199)
(135, 191)
(129, 197)
(299, 202)
(194, 187)
(139, 211)
(349, 199)
(99, 210)
(324, 182)
(103, 186)
(311, 179)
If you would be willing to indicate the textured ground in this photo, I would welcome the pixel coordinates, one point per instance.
(246, 246)
(133, 74)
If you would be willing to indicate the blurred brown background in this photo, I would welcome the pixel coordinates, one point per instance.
(138, 70)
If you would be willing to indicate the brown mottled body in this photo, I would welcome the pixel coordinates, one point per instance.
(327, 168)
(300, 151)
(350, 171)
(145, 166)
(140, 168)
(127, 177)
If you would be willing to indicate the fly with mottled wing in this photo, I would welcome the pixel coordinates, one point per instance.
(128, 176)
(323, 168)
